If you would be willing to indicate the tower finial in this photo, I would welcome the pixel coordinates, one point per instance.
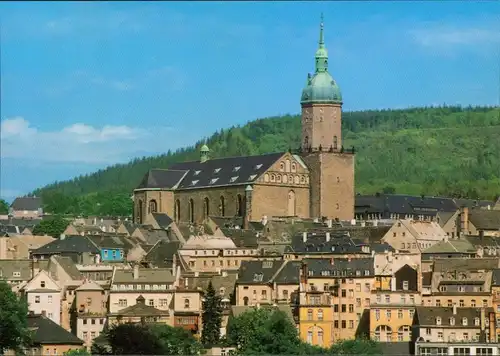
(321, 36)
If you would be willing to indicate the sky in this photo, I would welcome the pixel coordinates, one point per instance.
(88, 84)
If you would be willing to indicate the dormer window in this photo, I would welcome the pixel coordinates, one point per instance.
(358, 273)
(257, 277)
(476, 321)
(233, 179)
(16, 274)
(464, 321)
(194, 182)
(258, 166)
(252, 177)
(236, 169)
(438, 320)
(216, 170)
(452, 321)
(212, 181)
(197, 172)
(367, 272)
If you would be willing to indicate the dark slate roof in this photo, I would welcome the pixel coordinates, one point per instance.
(426, 278)
(220, 283)
(225, 171)
(258, 272)
(289, 274)
(141, 309)
(469, 264)
(340, 267)
(316, 243)
(427, 315)
(485, 219)
(242, 238)
(110, 242)
(163, 220)
(403, 204)
(20, 222)
(162, 254)
(495, 277)
(162, 178)
(365, 233)
(27, 203)
(75, 244)
(471, 203)
(69, 267)
(48, 332)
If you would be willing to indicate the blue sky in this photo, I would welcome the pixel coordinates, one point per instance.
(85, 85)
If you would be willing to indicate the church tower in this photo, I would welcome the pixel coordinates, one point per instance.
(331, 165)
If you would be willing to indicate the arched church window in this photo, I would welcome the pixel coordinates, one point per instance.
(306, 141)
(153, 206)
(239, 205)
(294, 167)
(273, 178)
(335, 142)
(278, 178)
(222, 207)
(191, 211)
(282, 166)
(177, 210)
(206, 207)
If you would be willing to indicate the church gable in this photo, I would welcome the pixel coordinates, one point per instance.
(162, 179)
(287, 169)
(223, 172)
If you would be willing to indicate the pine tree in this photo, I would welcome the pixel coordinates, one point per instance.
(212, 317)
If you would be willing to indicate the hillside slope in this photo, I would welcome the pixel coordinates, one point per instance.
(434, 151)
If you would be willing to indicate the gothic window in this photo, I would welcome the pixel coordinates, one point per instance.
(222, 207)
(153, 206)
(306, 141)
(282, 166)
(191, 211)
(294, 167)
(206, 207)
(291, 203)
(335, 142)
(139, 212)
(278, 178)
(273, 178)
(177, 210)
(239, 206)
(287, 165)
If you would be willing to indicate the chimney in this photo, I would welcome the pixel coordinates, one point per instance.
(328, 236)
(264, 220)
(329, 223)
(186, 284)
(454, 309)
(481, 236)
(224, 273)
(353, 222)
(363, 223)
(62, 236)
(304, 236)
(174, 263)
(393, 284)
(464, 220)
(375, 222)
(303, 273)
(136, 271)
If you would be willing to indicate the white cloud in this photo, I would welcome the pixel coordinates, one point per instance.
(78, 142)
(440, 35)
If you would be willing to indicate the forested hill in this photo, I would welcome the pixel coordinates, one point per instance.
(450, 151)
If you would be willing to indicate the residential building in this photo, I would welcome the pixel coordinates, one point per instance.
(455, 324)
(44, 296)
(414, 236)
(17, 247)
(26, 208)
(462, 348)
(78, 248)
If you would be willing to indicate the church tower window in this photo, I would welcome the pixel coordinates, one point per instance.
(239, 207)
(153, 206)
(335, 142)
(139, 212)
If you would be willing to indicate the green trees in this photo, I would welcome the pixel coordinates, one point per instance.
(154, 339)
(53, 226)
(211, 317)
(80, 352)
(4, 207)
(413, 151)
(14, 333)
(268, 331)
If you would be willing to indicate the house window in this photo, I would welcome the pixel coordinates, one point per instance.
(309, 314)
(186, 303)
(49, 299)
(320, 314)
(320, 337)
(42, 284)
(310, 336)
(122, 302)
(405, 285)
(37, 299)
(151, 303)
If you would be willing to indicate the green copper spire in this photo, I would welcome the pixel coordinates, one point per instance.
(204, 153)
(321, 53)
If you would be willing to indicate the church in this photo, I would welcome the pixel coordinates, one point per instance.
(317, 181)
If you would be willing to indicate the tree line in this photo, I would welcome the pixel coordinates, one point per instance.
(448, 151)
